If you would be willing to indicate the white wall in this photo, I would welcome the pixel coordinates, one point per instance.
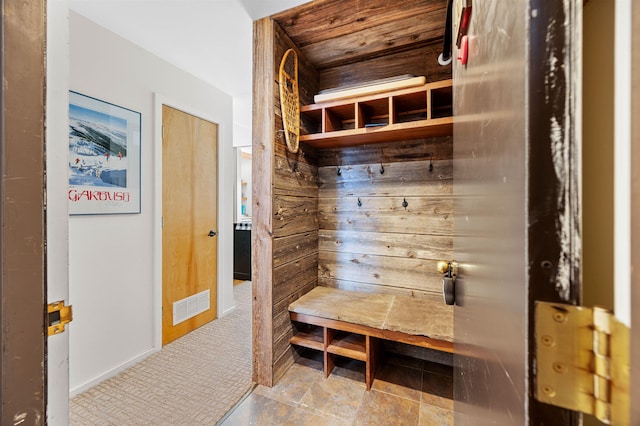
(113, 279)
(57, 147)
(622, 155)
(242, 112)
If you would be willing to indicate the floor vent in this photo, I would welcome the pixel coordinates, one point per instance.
(191, 306)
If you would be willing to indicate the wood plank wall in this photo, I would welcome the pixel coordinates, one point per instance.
(419, 61)
(289, 190)
(382, 246)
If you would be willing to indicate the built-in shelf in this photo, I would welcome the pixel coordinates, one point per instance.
(348, 345)
(312, 339)
(418, 112)
(337, 342)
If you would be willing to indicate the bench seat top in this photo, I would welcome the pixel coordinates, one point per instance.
(429, 317)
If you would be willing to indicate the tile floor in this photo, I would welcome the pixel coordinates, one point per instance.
(406, 391)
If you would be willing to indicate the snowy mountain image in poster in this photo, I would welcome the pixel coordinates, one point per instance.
(97, 148)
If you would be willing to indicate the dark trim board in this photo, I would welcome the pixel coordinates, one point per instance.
(554, 205)
(22, 246)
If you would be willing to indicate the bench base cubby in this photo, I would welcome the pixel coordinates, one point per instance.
(338, 338)
(332, 343)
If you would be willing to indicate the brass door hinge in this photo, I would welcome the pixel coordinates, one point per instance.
(582, 361)
(58, 315)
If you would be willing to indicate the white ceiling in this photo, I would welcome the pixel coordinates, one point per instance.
(211, 39)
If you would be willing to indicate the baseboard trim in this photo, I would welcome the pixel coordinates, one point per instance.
(228, 311)
(111, 373)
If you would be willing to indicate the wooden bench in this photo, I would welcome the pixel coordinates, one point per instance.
(351, 324)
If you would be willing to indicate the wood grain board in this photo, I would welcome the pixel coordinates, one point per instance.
(281, 323)
(382, 214)
(397, 151)
(406, 273)
(294, 247)
(379, 134)
(294, 215)
(262, 212)
(294, 177)
(373, 288)
(380, 179)
(383, 39)
(423, 60)
(292, 276)
(411, 246)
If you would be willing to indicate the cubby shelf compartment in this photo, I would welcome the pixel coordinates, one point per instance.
(348, 345)
(312, 339)
(334, 338)
(413, 113)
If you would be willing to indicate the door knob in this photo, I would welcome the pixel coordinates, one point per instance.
(443, 266)
(212, 233)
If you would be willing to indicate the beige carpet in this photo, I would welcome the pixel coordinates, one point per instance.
(194, 380)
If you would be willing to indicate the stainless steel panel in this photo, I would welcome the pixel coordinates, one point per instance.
(490, 183)
(511, 201)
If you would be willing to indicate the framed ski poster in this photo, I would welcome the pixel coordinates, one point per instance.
(104, 157)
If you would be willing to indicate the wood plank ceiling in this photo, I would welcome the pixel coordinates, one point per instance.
(334, 33)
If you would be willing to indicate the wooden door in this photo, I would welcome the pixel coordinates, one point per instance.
(517, 201)
(189, 210)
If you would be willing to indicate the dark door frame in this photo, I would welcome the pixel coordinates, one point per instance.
(555, 216)
(22, 218)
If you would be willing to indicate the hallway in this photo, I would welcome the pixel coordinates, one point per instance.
(193, 380)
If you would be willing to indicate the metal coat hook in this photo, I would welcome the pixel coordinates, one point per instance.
(359, 202)
(404, 203)
(339, 171)
(431, 161)
(381, 169)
